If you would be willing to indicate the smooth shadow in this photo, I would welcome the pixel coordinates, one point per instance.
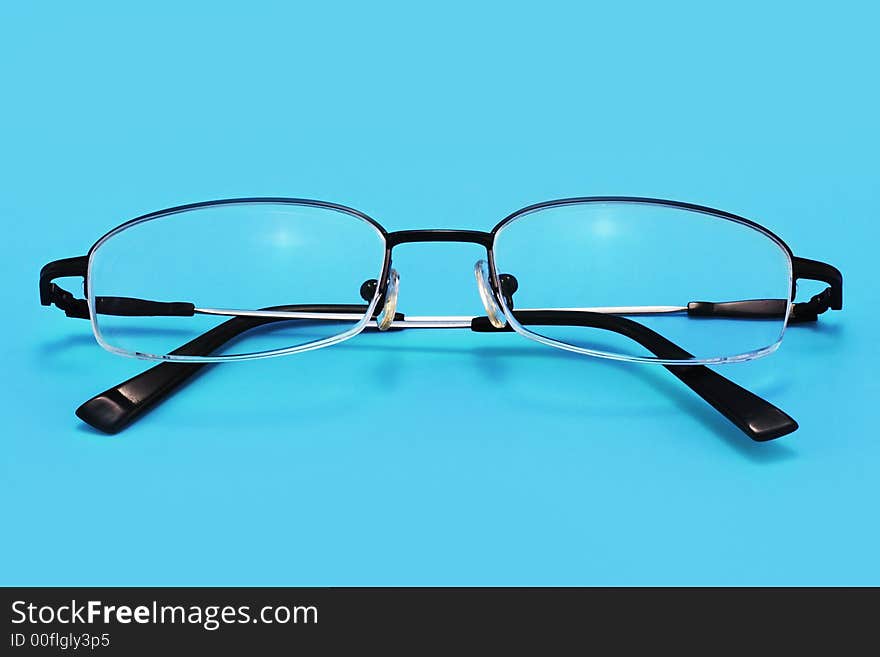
(68, 342)
(819, 327)
(89, 431)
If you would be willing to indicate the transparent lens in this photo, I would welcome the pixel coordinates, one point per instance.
(650, 263)
(261, 277)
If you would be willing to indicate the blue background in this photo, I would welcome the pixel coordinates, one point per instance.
(438, 457)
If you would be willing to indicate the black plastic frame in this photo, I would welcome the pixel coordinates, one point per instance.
(115, 408)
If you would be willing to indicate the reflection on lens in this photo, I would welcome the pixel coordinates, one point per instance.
(275, 276)
(652, 263)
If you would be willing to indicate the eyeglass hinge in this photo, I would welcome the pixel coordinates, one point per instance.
(64, 300)
(809, 311)
(50, 293)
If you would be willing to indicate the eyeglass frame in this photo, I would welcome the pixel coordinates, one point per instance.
(115, 408)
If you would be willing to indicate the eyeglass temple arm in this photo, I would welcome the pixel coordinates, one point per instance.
(115, 408)
(118, 406)
(756, 417)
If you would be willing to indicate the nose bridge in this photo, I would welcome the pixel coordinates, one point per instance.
(439, 235)
(484, 287)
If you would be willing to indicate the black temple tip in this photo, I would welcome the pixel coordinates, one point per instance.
(771, 424)
(109, 412)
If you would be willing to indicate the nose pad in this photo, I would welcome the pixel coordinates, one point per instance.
(493, 310)
(383, 322)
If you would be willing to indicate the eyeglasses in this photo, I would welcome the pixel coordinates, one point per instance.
(250, 278)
